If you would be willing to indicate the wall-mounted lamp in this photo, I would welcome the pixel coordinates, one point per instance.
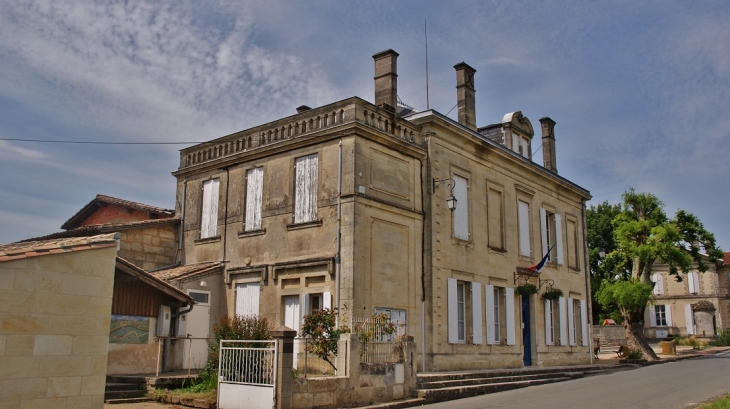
(203, 284)
(451, 200)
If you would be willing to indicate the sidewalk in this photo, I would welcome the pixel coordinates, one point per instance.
(683, 352)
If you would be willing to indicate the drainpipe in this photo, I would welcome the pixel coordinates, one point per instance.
(182, 222)
(225, 219)
(589, 298)
(339, 230)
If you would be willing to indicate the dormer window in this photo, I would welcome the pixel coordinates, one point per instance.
(521, 145)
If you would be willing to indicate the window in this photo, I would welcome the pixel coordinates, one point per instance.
(316, 301)
(247, 299)
(305, 195)
(572, 242)
(549, 323)
(523, 220)
(398, 318)
(552, 240)
(495, 314)
(660, 316)
(461, 213)
(209, 215)
(461, 312)
(495, 221)
(658, 284)
(555, 329)
(254, 190)
(460, 302)
(574, 321)
(689, 319)
(693, 282)
(200, 297)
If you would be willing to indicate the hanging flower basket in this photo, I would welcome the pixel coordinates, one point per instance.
(552, 294)
(527, 289)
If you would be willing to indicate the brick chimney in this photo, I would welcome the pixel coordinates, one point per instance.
(386, 78)
(548, 144)
(465, 95)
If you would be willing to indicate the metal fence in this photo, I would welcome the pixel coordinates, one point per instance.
(247, 362)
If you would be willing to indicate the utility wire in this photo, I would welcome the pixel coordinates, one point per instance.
(99, 142)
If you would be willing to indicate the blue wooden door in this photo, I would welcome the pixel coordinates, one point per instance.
(526, 340)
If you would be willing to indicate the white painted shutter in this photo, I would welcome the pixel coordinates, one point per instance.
(559, 238)
(688, 319)
(327, 300)
(515, 143)
(247, 299)
(549, 340)
(571, 322)
(452, 310)
(693, 282)
(525, 148)
(659, 284)
(305, 201)
(209, 216)
(292, 312)
(652, 316)
(491, 334)
(509, 306)
(543, 232)
(584, 322)
(254, 191)
(461, 213)
(523, 218)
(668, 312)
(303, 306)
(476, 301)
(561, 320)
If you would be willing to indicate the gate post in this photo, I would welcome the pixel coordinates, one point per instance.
(284, 337)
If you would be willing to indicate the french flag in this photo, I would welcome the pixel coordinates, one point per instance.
(537, 267)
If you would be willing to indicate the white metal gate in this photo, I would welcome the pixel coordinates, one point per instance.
(247, 374)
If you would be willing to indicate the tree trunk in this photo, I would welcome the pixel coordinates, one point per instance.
(635, 339)
(636, 269)
(646, 274)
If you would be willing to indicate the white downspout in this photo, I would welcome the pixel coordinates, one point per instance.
(339, 229)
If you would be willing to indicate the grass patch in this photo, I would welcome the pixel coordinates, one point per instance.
(719, 403)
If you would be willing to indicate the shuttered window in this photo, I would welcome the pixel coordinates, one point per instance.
(584, 322)
(572, 243)
(523, 219)
(209, 215)
(476, 318)
(562, 309)
(461, 213)
(658, 284)
(254, 192)
(572, 322)
(495, 222)
(693, 282)
(689, 320)
(509, 309)
(549, 323)
(305, 195)
(456, 299)
(247, 299)
(552, 235)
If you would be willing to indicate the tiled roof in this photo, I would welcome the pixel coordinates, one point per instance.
(21, 250)
(151, 280)
(104, 228)
(91, 207)
(186, 271)
(726, 259)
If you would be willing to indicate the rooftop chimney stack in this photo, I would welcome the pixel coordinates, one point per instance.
(386, 78)
(465, 95)
(548, 144)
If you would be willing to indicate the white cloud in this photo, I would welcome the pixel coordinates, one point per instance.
(9, 151)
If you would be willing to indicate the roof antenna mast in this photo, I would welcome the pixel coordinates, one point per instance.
(425, 33)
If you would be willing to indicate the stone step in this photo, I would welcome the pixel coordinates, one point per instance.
(458, 392)
(125, 379)
(399, 404)
(129, 400)
(124, 386)
(491, 380)
(128, 394)
(431, 377)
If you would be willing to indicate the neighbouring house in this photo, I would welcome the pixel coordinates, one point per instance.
(698, 305)
(55, 311)
(149, 234)
(351, 205)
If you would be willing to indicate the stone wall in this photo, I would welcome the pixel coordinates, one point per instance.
(54, 329)
(150, 248)
(610, 335)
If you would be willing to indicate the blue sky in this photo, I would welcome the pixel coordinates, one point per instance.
(640, 91)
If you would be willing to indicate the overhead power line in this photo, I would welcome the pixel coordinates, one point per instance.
(99, 142)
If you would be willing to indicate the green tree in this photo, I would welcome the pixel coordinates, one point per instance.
(643, 236)
(320, 326)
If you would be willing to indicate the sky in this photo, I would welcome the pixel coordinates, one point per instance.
(640, 90)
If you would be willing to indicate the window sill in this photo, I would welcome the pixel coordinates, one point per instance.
(497, 250)
(251, 233)
(305, 225)
(206, 240)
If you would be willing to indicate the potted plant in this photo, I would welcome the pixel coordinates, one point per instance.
(527, 289)
(552, 294)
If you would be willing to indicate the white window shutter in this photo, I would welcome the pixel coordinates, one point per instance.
(247, 299)
(561, 320)
(659, 284)
(571, 322)
(209, 214)
(509, 306)
(254, 192)
(688, 319)
(476, 309)
(461, 213)
(584, 322)
(543, 232)
(668, 311)
(652, 316)
(327, 300)
(523, 219)
(452, 310)
(549, 340)
(515, 143)
(490, 314)
(559, 238)
(690, 283)
(304, 306)
(305, 200)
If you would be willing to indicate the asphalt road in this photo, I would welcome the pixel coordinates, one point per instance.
(680, 384)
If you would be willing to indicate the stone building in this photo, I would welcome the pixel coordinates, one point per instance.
(698, 305)
(348, 205)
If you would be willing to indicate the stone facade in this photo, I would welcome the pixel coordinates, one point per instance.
(54, 328)
(150, 247)
(381, 238)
